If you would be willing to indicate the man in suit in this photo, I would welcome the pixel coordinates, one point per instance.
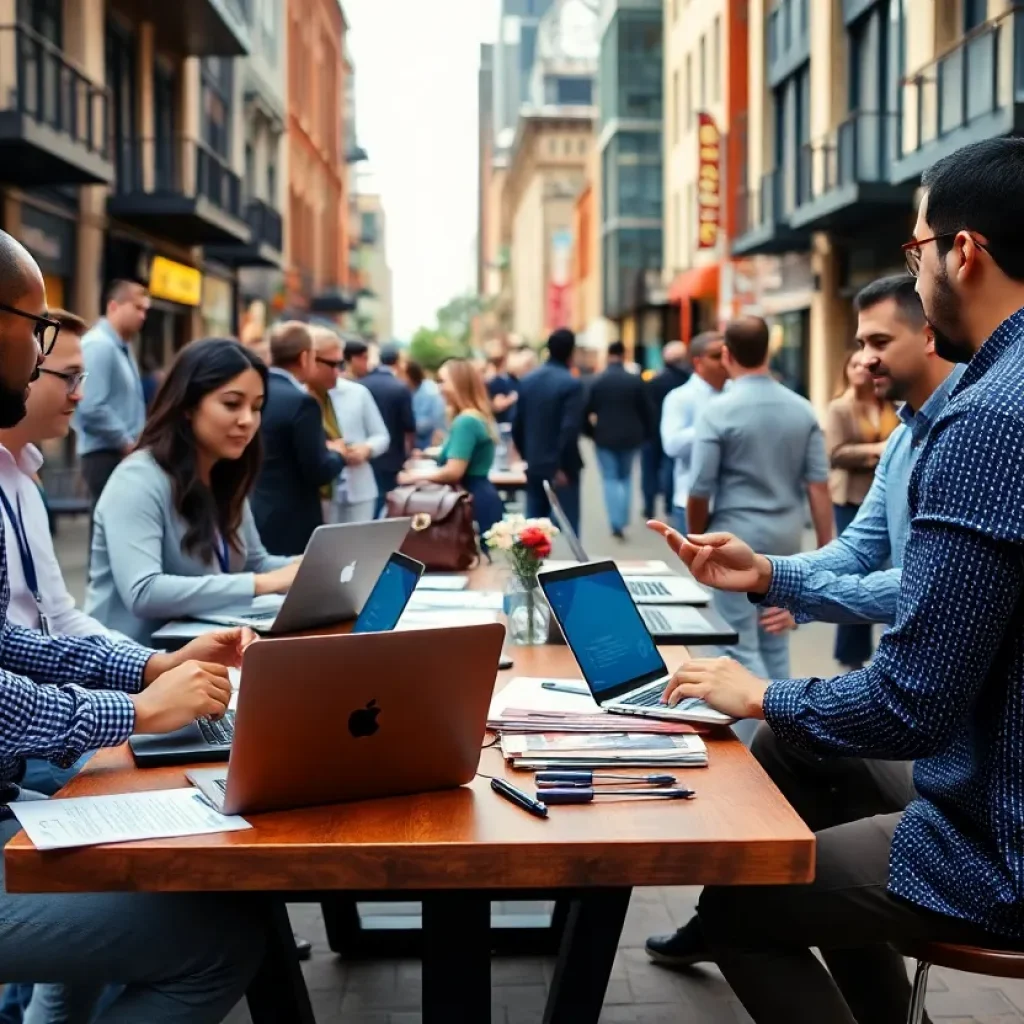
(546, 430)
(394, 400)
(655, 466)
(618, 417)
(298, 459)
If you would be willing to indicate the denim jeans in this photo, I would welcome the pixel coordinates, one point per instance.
(617, 478)
(538, 506)
(656, 477)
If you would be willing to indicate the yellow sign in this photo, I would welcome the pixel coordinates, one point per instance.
(175, 282)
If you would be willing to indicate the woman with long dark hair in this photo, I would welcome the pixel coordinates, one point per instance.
(173, 535)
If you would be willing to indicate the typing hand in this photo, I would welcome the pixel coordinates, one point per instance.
(222, 647)
(278, 581)
(190, 691)
(718, 560)
(777, 620)
(720, 682)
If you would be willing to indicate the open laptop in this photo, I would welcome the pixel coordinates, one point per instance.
(644, 589)
(615, 651)
(211, 741)
(339, 569)
(367, 715)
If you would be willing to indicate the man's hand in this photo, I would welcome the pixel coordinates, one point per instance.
(777, 620)
(337, 444)
(190, 691)
(560, 479)
(721, 682)
(218, 647)
(356, 454)
(719, 560)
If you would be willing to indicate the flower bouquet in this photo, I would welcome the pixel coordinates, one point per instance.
(524, 544)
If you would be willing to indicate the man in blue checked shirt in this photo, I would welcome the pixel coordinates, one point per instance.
(182, 959)
(850, 579)
(945, 687)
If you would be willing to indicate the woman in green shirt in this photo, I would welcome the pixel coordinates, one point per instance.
(467, 455)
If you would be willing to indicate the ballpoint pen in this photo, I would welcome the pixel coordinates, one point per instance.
(517, 796)
(583, 778)
(585, 795)
(551, 684)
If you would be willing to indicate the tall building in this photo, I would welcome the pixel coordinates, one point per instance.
(373, 313)
(630, 141)
(318, 245)
(849, 103)
(487, 227)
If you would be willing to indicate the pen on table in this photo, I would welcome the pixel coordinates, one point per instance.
(518, 797)
(585, 795)
(550, 684)
(584, 778)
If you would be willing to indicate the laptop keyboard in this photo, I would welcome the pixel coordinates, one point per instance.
(221, 784)
(647, 588)
(218, 734)
(657, 620)
(651, 698)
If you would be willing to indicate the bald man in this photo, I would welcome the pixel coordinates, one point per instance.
(655, 465)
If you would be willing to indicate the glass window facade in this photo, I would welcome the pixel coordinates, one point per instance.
(631, 67)
(627, 253)
(632, 176)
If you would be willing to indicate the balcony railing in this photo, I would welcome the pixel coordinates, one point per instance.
(265, 224)
(37, 81)
(981, 75)
(177, 167)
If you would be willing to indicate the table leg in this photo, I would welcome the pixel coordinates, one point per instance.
(456, 958)
(278, 992)
(585, 962)
(342, 924)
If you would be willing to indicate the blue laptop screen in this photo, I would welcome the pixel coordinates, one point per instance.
(604, 629)
(387, 600)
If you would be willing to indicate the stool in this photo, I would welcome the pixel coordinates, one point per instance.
(996, 963)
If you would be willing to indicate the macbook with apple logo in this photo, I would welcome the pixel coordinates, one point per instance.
(341, 565)
(361, 715)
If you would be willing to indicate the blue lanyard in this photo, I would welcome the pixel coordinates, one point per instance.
(223, 555)
(28, 564)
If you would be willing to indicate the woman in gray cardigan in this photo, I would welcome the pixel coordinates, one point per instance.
(173, 536)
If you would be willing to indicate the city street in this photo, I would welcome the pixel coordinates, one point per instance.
(389, 992)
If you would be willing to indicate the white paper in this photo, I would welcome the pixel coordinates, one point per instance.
(88, 820)
(479, 600)
(653, 567)
(457, 583)
(527, 693)
(445, 618)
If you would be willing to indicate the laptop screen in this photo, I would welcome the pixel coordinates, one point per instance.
(603, 628)
(562, 522)
(388, 598)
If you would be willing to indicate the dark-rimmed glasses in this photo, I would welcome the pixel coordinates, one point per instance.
(912, 249)
(334, 364)
(45, 329)
(72, 381)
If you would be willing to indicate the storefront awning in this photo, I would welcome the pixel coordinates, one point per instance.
(696, 283)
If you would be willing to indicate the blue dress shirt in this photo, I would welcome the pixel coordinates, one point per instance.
(946, 688)
(429, 411)
(848, 580)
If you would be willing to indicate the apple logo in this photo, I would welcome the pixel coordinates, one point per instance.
(363, 721)
(348, 572)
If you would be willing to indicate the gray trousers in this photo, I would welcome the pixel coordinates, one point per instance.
(182, 958)
(356, 512)
(762, 936)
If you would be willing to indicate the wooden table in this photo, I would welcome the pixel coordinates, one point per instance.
(456, 851)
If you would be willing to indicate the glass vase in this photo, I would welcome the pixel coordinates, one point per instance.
(527, 612)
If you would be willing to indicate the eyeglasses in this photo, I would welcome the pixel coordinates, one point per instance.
(912, 249)
(334, 364)
(45, 330)
(72, 381)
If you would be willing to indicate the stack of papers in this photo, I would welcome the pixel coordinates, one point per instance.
(456, 583)
(477, 600)
(445, 617)
(536, 752)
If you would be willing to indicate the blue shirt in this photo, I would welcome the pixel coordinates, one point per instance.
(112, 412)
(946, 687)
(678, 429)
(848, 580)
(757, 447)
(428, 409)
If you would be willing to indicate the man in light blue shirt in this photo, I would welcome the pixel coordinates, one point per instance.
(110, 418)
(428, 406)
(681, 409)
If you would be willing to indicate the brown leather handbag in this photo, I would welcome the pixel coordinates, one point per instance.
(442, 536)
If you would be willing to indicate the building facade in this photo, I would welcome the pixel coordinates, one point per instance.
(372, 318)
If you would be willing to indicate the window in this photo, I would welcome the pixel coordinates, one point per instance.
(677, 231)
(689, 219)
(975, 14)
(216, 76)
(640, 86)
(250, 170)
(675, 113)
(702, 72)
(121, 80)
(272, 176)
(45, 17)
(688, 93)
(164, 122)
(582, 145)
(716, 60)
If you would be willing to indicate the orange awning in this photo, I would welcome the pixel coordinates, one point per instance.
(696, 283)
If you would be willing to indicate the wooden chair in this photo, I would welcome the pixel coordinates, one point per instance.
(995, 963)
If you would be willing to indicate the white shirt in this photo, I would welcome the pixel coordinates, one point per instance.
(59, 606)
(678, 429)
(360, 422)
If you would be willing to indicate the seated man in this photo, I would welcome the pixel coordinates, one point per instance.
(944, 688)
(184, 959)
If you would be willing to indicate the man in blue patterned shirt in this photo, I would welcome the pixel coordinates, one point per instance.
(946, 684)
(183, 959)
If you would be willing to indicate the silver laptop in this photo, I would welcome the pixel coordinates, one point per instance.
(612, 645)
(339, 569)
(644, 589)
(330, 718)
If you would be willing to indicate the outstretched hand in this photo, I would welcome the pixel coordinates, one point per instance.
(718, 560)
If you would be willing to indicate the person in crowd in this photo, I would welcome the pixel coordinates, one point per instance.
(944, 862)
(546, 430)
(357, 359)
(858, 425)
(682, 409)
(758, 456)
(851, 579)
(656, 468)
(467, 454)
(298, 458)
(110, 418)
(179, 959)
(174, 536)
(618, 416)
(501, 386)
(394, 400)
(428, 407)
(351, 416)
(521, 361)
